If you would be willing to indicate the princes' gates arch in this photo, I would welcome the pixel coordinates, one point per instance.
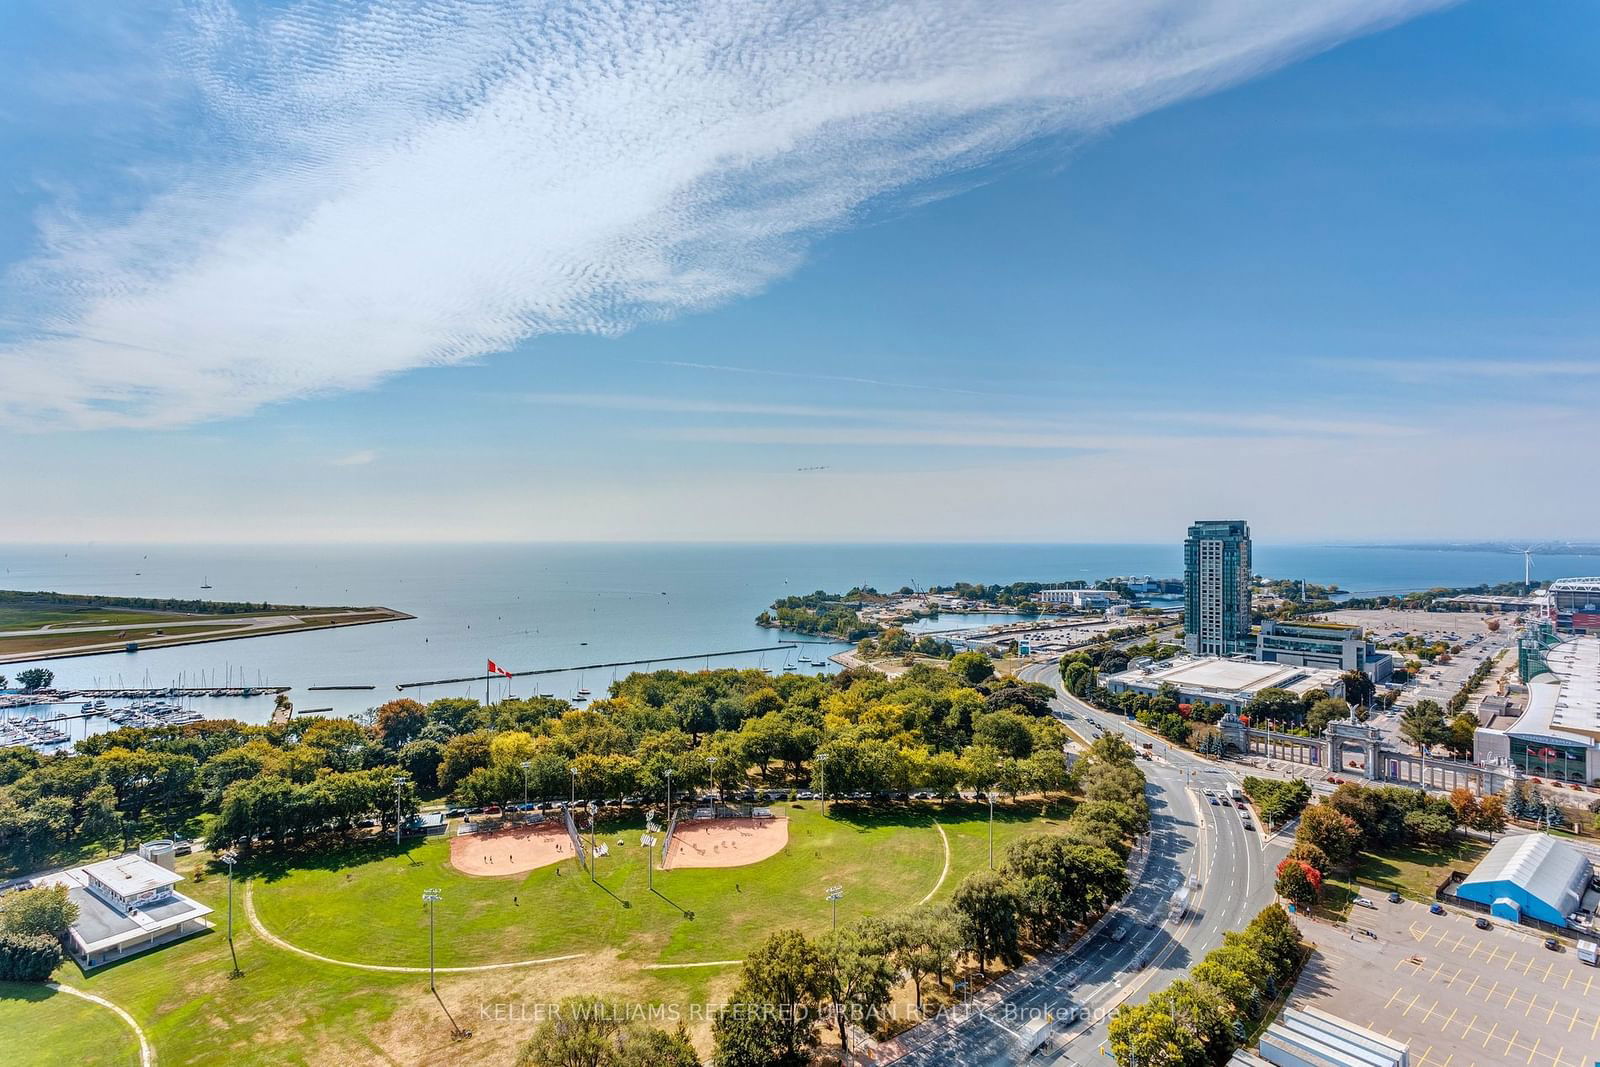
(1356, 750)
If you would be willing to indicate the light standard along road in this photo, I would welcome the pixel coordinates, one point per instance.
(230, 857)
(835, 894)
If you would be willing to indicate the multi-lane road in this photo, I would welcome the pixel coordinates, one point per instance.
(1192, 845)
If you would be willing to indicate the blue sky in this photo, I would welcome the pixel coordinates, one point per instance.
(977, 271)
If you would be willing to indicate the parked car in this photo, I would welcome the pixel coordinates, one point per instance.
(1436, 908)
(1394, 898)
(1483, 924)
(1363, 902)
(1552, 944)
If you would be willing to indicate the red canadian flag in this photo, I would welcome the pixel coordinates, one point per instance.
(496, 669)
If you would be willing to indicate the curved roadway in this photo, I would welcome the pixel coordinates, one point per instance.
(1189, 838)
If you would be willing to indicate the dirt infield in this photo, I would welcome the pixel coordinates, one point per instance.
(726, 842)
(514, 851)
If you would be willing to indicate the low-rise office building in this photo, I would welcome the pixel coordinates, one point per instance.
(1078, 599)
(1330, 645)
(1232, 683)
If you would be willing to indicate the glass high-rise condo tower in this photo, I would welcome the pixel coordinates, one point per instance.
(1216, 588)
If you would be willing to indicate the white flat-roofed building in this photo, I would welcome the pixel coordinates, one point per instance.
(125, 905)
(1558, 733)
(1309, 1037)
(1079, 599)
(1232, 683)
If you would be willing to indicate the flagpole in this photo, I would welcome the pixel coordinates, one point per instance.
(486, 676)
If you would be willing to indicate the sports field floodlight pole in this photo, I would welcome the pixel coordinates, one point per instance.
(430, 897)
(525, 765)
(669, 796)
(574, 796)
(711, 771)
(594, 812)
(835, 894)
(991, 827)
(230, 857)
(822, 769)
(399, 783)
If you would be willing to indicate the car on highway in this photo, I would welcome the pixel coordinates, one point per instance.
(1119, 931)
(1213, 800)
(1363, 902)
(1248, 825)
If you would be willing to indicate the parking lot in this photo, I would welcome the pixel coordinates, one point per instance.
(1462, 997)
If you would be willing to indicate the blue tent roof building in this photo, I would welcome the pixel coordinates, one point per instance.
(1532, 875)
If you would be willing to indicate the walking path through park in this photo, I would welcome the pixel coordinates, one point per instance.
(274, 939)
(946, 839)
(147, 1055)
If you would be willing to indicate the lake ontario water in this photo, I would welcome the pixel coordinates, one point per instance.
(541, 606)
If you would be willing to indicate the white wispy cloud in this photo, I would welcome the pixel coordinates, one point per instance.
(1438, 371)
(359, 458)
(395, 186)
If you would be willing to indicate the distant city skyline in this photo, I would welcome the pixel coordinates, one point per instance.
(977, 276)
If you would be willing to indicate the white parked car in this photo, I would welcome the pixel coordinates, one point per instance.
(1363, 902)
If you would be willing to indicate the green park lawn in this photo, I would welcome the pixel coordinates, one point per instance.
(39, 1026)
(363, 904)
(1409, 870)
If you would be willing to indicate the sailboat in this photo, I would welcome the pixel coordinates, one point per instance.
(205, 583)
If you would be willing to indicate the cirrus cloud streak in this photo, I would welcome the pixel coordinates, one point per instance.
(426, 183)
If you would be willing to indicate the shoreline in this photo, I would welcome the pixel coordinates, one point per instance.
(389, 615)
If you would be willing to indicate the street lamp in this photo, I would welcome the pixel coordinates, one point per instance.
(430, 897)
(525, 765)
(230, 857)
(574, 798)
(711, 772)
(822, 772)
(669, 796)
(835, 894)
(399, 784)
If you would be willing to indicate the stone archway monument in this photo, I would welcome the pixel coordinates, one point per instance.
(1353, 748)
